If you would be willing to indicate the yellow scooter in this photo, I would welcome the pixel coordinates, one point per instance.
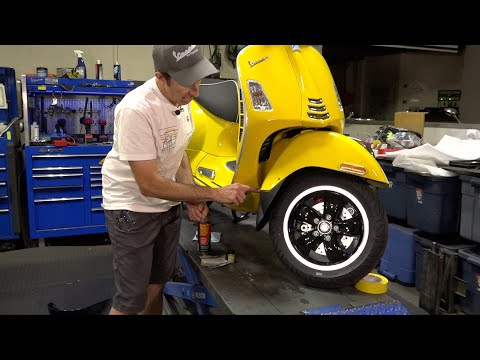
(279, 128)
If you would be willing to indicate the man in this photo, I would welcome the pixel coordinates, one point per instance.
(147, 174)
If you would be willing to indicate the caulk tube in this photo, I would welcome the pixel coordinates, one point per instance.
(99, 70)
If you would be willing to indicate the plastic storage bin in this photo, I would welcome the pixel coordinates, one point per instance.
(470, 274)
(433, 203)
(438, 244)
(470, 215)
(398, 260)
(394, 197)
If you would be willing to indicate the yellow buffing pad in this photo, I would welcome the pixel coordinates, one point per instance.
(373, 284)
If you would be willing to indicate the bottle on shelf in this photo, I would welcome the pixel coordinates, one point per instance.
(99, 70)
(117, 74)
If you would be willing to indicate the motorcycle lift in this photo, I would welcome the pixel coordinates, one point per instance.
(258, 284)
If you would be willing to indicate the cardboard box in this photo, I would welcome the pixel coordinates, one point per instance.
(414, 121)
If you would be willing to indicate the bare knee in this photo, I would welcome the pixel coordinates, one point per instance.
(155, 289)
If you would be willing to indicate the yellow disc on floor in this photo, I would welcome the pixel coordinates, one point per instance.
(373, 284)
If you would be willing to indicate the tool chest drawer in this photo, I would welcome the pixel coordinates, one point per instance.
(5, 221)
(58, 213)
(97, 213)
(57, 176)
(3, 172)
(3, 188)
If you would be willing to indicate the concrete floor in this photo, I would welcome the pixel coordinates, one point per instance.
(77, 274)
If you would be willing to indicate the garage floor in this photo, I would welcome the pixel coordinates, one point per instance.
(73, 275)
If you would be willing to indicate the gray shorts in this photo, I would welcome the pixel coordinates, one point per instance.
(144, 252)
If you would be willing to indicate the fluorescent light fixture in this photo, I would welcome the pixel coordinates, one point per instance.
(440, 48)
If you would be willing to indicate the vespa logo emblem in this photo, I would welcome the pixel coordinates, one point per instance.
(253, 63)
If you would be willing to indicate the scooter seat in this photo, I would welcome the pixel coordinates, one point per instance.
(220, 97)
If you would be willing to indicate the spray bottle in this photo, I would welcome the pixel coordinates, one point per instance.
(81, 69)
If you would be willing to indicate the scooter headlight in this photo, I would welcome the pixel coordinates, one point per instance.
(259, 98)
(340, 105)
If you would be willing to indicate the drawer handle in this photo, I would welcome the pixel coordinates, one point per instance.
(58, 199)
(97, 209)
(4, 210)
(3, 169)
(96, 197)
(95, 173)
(4, 197)
(95, 179)
(95, 185)
(2, 154)
(56, 175)
(68, 156)
(3, 183)
(58, 168)
(57, 187)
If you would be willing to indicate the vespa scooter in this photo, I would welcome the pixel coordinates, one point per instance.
(279, 128)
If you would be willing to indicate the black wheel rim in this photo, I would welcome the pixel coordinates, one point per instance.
(325, 228)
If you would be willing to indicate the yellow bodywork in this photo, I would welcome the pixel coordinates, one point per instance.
(303, 98)
(322, 149)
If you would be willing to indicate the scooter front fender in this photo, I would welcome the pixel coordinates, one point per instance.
(315, 149)
(321, 149)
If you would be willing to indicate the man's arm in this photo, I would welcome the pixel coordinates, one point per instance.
(184, 174)
(152, 184)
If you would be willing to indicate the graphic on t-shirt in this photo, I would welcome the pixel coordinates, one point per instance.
(162, 171)
(169, 138)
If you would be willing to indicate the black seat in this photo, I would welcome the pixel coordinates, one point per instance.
(220, 97)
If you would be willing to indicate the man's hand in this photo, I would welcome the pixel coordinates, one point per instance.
(197, 211)
(233, 194)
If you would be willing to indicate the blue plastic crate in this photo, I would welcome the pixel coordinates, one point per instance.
(398, 260)
(433, 203)
(470, 274)
(394, 197)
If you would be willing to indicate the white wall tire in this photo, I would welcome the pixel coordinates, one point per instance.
(328, 229)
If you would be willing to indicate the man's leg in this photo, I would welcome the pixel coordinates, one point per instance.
(132, 236)
(154, 305)
(164, 259)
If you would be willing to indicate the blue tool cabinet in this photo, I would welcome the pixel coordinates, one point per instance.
(64, 186)
(64, 183)
(9, 204)
(7, 228)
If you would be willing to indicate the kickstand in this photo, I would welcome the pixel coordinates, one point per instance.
(192, 290)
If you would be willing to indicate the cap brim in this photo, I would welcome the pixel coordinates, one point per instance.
(197, 72)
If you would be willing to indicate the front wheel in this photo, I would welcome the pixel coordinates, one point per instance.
(330, 230)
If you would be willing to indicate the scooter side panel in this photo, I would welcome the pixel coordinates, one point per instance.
(212, 135)
(322, 149)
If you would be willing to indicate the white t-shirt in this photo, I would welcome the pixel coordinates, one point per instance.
(145, 128)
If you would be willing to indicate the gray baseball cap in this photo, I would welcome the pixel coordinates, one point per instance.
(185, 63)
